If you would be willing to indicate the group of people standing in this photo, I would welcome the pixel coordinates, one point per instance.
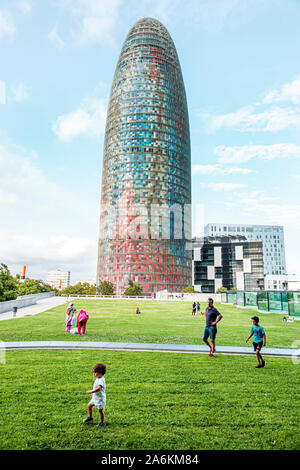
(213, 316)
(71, 319)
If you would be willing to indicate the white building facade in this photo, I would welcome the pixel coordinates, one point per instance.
(58, 278)
(272, 237)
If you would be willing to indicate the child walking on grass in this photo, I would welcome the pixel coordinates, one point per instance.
(98, 394)
(259, 340)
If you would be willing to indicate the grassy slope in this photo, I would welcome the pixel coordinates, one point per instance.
(160, 322)
(154, 401)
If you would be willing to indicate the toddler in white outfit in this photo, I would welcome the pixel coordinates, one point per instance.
(98, 394)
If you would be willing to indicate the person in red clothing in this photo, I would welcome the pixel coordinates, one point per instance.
(81, 321)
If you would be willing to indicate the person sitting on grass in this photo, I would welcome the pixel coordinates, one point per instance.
(98, 394)
(259, 340)
(137, 311)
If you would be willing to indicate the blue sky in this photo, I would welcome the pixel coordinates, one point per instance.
(241, 67)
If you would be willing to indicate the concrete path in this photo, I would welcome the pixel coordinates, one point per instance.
(41, 306)
(182, 348)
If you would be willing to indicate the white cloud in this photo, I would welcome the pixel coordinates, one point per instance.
(269, 209)
(244, 153)
(19, 93)
(43, 225)
(55, 38)
(7, 27)
(25, 6)
(204, 14)
(95, 19)
(219, 170)
(288, 92)
(247, 119)
(34, 250)
(223, 186)
(88, 119)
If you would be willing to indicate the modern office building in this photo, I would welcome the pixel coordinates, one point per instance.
(272, 237)
(58, 278)
(146, 176)
(231, 262)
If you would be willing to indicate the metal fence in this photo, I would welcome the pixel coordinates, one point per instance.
(265, 301)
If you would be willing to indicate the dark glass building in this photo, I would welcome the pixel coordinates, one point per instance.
(231, 262)
(146, 176)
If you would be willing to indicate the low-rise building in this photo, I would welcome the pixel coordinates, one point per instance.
(58, 278)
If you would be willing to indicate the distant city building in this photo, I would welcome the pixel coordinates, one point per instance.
(58, 278)
(231, 262)
(88, 280)
(272, 237)
(276, 282)
(282, 282)
(293, 282)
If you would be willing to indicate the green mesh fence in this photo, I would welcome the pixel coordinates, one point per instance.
(294, 303)
(284, 301)
(224, 297)
(240, 299)
(275, 304)
(231, 297)
(251, 299)
(262, 301)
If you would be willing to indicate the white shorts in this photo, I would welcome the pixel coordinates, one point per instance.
(100, 404)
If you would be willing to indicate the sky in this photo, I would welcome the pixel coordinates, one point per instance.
(241, 68)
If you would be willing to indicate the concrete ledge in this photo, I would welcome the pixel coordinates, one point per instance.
(24, 301)
(184, 348)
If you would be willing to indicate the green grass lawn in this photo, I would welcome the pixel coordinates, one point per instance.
(154, 401)
(160, 322)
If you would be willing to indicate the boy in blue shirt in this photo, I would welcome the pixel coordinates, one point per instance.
(259, 340)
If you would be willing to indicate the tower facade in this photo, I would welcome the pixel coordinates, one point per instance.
(145, 219)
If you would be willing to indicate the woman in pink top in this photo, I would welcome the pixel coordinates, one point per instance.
(81, 321)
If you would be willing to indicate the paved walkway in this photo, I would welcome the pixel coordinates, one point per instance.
(41, 306)
(183, 348)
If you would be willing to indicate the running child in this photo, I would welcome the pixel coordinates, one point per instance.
(98, 394)
(259, 340)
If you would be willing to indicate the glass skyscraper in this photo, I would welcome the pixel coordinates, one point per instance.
(145, 219)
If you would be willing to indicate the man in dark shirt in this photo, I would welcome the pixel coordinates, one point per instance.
(212, 318)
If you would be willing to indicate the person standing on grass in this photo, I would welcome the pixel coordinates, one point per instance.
(259, 340)
(194, 309)
(98, 394)
(213, 316)
(82, 321)
(198, 307)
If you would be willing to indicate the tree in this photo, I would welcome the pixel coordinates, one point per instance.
(32, 286)
(189, 290)
(221, 289)
(133, 290)
(8, 284)
(106, 288)
(79, 289)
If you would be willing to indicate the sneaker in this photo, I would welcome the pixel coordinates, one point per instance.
(211, 355)
(100, 424)
(88, 419)
(263, 363)
(258, 366)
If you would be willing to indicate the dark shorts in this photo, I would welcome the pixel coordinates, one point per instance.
(210, 331)
(256, 345)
